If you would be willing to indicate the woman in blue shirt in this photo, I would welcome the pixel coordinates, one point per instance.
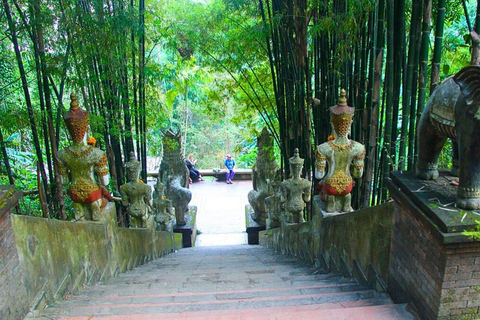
(229, 164)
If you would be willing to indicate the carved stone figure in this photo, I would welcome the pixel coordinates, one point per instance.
(164, 213)
(174, 175)
(295, 191)
(273, 205)
(345, 158)
(264, 170)
(136, 195)
(79, 164)
(452, 111)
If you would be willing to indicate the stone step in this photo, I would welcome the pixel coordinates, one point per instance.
(178, 304)
(210, 283)
(234, 282)
(221, 296)
(389, 312)
(330, 311)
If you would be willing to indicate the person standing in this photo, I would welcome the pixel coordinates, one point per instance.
(230, 165)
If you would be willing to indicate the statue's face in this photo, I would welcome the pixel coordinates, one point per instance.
(133, 175)
(341, 123)
(296, 169)
(159, 190)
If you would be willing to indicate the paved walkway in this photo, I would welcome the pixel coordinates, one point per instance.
(220, 211)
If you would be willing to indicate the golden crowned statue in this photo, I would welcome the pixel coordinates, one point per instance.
(344, 157)
(83, 166)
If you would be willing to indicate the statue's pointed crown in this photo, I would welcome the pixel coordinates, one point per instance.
(73, 102)
(296, 158)
(76, 120)
(133, 165)
(342, 106)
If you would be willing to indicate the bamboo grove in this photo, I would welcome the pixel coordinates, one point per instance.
(98, 49)
(366, 47)
(288, 60)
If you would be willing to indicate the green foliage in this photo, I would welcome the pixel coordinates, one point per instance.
(445, 158)
(22, 164)
(200, 97)
(247, 160)
(352, 18)
(474, 234)
(456, 44)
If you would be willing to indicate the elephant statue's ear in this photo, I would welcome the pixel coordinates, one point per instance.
(469, 81)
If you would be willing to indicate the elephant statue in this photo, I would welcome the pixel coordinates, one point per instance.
(452, 111)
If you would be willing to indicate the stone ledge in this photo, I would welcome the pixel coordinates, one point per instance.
(441, 223)
(435, 198)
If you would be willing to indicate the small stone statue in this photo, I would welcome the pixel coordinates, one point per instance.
(264, 170)
(164, 213)
(273, 205)
(136, 195)
(174, 175)
(295, 191)
(80, 163)
(344, 157)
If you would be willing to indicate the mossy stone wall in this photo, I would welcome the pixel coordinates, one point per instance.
(58, 257)
(13, 295)
(354, 244)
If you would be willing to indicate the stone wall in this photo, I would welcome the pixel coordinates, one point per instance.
(354, 244)
(13, 296)
(438, 271)
(58, 257)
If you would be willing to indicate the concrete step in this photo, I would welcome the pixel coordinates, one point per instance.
(329, 311)
(284, 296)
(219, 295)
(235, 282)
(390, 312)
(323, 297)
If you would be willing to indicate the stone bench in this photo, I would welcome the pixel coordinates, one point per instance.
(240, 174)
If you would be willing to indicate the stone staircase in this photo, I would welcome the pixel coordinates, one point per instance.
(226, 282)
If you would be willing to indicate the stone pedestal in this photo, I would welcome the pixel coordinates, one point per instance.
(189, 230)
(253, 228)
(432, 263)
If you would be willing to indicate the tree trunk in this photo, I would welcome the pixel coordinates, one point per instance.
(5, 158)
(423, 71)
(141, 79)
(476, 39)
(437, 50)
(57, 189)
(387, 157)
(408, 83)
(33, 125)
